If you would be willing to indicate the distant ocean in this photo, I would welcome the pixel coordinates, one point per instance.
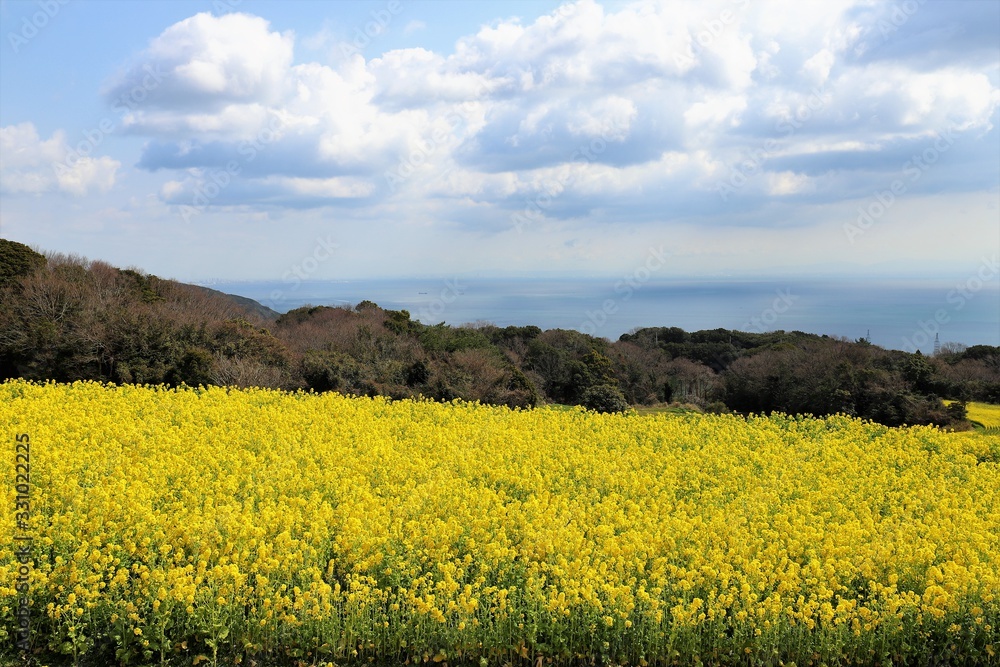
(897, 317)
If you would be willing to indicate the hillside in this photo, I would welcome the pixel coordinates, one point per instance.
(256, 308)
(67, 318)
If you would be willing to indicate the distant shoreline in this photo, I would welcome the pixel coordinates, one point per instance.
(892, 312)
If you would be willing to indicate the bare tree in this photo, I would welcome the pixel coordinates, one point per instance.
(246, 372)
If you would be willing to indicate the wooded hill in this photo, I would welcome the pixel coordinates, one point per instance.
(66, 318)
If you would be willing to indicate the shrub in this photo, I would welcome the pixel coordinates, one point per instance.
(604, 398)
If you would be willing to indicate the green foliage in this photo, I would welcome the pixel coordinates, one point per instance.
(399, 322)
(193, 368)
(569, 362)
(600, 369)
(443, 338)
(240, 338)
(512, 336)
(957, 411)
(604, 398)
(824, 377)
(417, 374)
(717, 408)
(66, 319)
(918, 371)
(146, 285)
(16, 261)
(523, 391)
(301, 315)
(332, 371)
(980, 352)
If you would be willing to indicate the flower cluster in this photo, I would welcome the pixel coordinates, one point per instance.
(184, 525)
(986, 414)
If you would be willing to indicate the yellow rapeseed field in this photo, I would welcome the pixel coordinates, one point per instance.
(217, 526)
(984, 413)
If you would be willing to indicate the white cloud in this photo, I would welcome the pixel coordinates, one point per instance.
(325, 187)
(609, 117)
(716, 110)
(787, 183)
(648, 105)
(946, 97)
(30, 165)
(171, 190)
(206, 64)
(86, 174)
(818, 67)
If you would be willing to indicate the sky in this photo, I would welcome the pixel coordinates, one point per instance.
(243, 139)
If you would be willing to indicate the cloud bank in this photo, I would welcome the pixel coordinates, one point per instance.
(30, 165)
(656, 110)
(744, 137)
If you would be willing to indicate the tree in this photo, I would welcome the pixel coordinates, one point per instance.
(641, 372)
(957, 411)
(690, 381)
(194, 368)
(17, 260)
(951, 347)
(417, 374)
(604, 398)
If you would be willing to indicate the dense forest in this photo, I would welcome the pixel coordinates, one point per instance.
(65, 318)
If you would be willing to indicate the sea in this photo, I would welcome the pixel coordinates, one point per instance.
(893, 315)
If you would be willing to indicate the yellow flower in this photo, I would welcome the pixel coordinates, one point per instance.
(292, 514)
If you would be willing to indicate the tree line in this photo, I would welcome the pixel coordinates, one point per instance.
(66, 318)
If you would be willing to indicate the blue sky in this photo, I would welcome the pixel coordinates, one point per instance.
(232, 140)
